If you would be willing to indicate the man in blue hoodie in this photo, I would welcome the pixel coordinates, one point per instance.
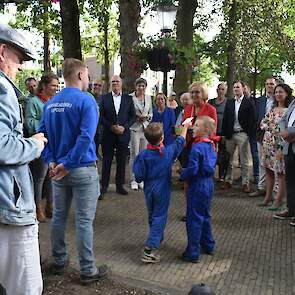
(69, 121)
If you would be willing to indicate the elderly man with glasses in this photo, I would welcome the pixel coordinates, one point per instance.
(20, 271)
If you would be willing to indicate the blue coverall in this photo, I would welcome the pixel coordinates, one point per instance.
(199, 173)
(155, 170)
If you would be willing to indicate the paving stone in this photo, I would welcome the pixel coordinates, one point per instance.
(255, 253)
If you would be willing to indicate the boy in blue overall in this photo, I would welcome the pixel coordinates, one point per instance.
(153, 166)
(199, 174)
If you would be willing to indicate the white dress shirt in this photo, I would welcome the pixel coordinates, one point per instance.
(117, 101)
(238, 101)
(291, 118)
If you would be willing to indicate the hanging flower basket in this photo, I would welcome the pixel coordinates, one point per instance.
(160, 59)
(163, 54)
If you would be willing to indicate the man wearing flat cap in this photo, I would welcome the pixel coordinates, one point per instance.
(20, 271)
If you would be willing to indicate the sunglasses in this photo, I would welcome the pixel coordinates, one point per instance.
(95, 84)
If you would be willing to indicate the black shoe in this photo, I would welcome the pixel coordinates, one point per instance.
(102, 271)
(103, 190)
(59, 269)
(188, 259)
(211, 253)
(121, 190)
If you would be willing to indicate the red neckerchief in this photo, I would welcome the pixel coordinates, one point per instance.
(42, 97)
(157, 148)
(204, 139)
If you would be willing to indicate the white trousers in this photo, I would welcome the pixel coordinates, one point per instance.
(138, 143)
(241, 141)
(20, 270)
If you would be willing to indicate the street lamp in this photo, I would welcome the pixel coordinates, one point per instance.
(167, 15)
(166, 11)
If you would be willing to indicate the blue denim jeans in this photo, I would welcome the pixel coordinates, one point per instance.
(42, 181)
(255, 158)
(81, 185)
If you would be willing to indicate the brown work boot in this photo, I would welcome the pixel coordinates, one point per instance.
(48, 209)
(246, 188)
(40, 213)
(226, 185)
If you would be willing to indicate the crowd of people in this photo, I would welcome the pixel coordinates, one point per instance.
(57, 136)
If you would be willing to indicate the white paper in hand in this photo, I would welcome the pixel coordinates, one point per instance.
(188, 120)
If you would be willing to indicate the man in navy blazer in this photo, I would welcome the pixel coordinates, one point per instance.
(237, 126)
(263, 106)
(117, 114)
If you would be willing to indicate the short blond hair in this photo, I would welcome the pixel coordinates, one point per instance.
(203, 86)
(208, 123)
(71, 67)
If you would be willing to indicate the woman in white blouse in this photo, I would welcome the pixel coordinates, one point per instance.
(144, 113)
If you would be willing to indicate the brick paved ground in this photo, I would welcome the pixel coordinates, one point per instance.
(254, 255)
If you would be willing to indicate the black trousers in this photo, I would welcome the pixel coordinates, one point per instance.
(120, 149)
(290, 180)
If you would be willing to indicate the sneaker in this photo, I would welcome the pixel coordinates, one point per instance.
(284, 215)
(134, 185)
(59, 269)
(102, 271)
(292, 223)
(150, 256)
(141, 185)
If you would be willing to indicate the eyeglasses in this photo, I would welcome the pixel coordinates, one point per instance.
(115, 81)
(95, 84)
(195, 91)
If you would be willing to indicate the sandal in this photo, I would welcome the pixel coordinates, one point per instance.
(274, 208)
(263, 204)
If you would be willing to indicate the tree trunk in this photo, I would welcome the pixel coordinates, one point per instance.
(129, 20)
(184, 34)
(46, 48)
(46, 39)
(70, 29)
(106, 57)
(255, 76)
(231, 49)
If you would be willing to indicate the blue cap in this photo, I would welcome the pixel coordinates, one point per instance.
(14, 38)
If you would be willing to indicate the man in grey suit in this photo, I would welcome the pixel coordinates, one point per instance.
(287, 127)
